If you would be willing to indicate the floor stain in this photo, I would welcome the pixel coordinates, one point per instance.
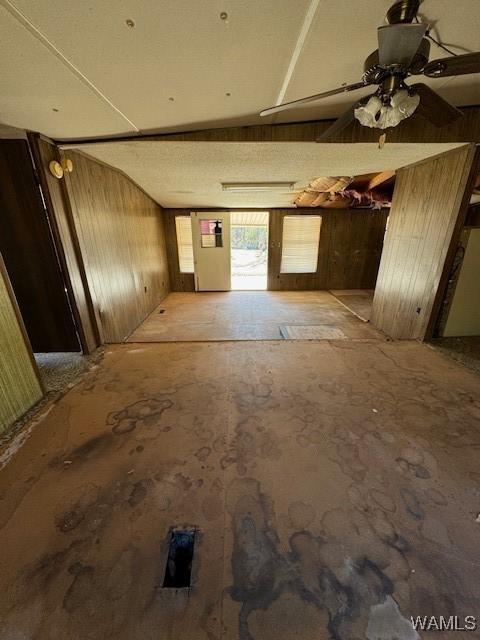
(334, 487)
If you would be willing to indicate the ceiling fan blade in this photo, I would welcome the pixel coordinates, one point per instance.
(453, 66)
(435, 108)
(398, 43)
(318, 96)
(342, 122)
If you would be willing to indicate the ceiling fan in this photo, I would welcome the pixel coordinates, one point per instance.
(403, 51)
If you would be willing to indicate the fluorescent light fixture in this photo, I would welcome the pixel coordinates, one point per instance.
(249, 187)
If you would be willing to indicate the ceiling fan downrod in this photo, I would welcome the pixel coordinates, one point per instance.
(403, 11)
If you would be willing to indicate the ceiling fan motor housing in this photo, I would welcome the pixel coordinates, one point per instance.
(374, 73)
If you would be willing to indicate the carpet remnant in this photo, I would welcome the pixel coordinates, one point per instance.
(311, 332)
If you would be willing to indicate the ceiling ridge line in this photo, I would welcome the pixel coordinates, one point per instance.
(24, 21)
(302, 36)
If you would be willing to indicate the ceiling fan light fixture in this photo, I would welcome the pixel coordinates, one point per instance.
(389, 117)
(367, 114)
(377, 115)
(405, 102)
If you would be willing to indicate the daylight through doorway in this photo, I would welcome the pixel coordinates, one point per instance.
(249, 250)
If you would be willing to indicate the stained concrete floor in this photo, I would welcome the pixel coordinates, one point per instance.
(335, 487)
(246, 315)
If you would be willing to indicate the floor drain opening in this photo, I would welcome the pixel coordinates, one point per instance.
(178, 571)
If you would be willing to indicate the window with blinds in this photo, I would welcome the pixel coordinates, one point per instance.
(300, 240)
(183, 226)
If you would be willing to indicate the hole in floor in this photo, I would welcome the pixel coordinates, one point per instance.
(179, 561)
(162, 311)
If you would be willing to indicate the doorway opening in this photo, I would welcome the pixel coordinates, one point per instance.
(249, 250)
(31, 258)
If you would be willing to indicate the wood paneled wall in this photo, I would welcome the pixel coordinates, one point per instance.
(68, 248)
(351, 244)
(29, 252)
(415, 129)
(19, 384)
(121, 237)
(428, 211)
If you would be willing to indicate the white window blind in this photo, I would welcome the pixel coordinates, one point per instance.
(183, 226)
(300, 240)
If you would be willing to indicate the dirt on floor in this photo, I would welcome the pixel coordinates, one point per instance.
(334, 487)
(247, 315)
(465, 350)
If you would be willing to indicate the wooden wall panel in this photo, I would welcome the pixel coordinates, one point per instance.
(58, 206)
(121, 236)
(19, 384)
(29, 252)
(427, 215)
(415, 129)
(349, 253)
(351, 244)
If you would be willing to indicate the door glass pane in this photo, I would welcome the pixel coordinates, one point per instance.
(211, 233)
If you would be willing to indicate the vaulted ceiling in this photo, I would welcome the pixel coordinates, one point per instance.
(83, 69)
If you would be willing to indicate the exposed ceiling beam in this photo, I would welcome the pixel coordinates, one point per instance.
(380, 178)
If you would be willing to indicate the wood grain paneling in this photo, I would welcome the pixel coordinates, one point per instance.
(121, 236)
(19, 383)
(349, 253)
(414, 129)
(428, 212)
(29, 252)
(68, 249)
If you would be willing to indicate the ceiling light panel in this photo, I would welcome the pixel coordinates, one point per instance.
(250, 187)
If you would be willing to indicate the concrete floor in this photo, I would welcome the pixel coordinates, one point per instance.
(246, 315)
(335, 486)
(358, 301)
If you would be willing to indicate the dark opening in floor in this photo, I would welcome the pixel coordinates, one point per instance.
(179, 562)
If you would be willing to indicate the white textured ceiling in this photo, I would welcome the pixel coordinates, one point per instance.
(189, 174)
(104, 78)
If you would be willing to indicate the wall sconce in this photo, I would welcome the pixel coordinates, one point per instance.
(56, 169)
(67, 165)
